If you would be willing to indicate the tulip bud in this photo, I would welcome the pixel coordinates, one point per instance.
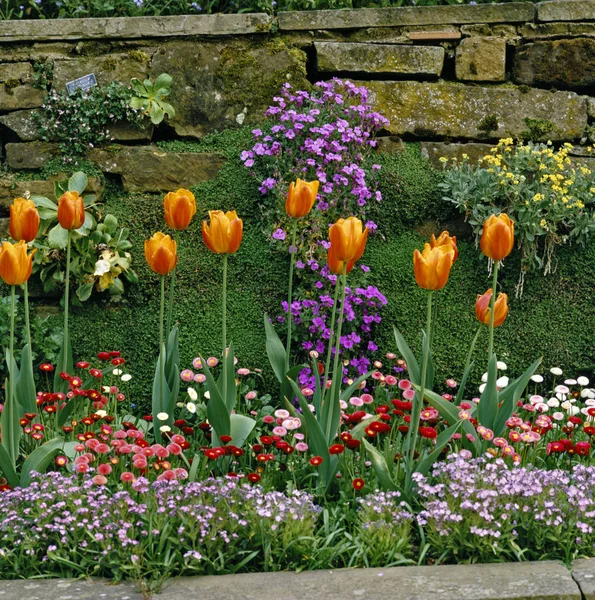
(301, 198)
(482, 308)
(71, 210)
(179, 208)
(432, 267)
(497, 239)
(24, 220)
(15, 263)
(445, 240)
(348, 239)
(160, 252)
(224, 234)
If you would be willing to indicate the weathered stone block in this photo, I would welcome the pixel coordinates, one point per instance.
(484, 30)
(481, 59)
(535, 31)
(150, 169)
(379, 58)
(472, 152)
(21, 124)
(134, 27)
(438, 109)
(107, 68)
(226, 84)
(389, 143)
(566, 63)
(32, 155)
(4, 225)
(16, 89)
(583, 572)
(566, 10)
(514, 12)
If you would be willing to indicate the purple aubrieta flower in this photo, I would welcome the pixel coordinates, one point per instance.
(279, 234)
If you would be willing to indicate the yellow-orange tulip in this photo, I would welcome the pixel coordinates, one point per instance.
(444, 239)
(15, 263)
(224, 234)
(432, 266)
(348, 239)
(482, 308)
(301, 198)
(179, 208)
(71, 210)
(160, 252)
(497, 239)
(24, 220)
(336, 266)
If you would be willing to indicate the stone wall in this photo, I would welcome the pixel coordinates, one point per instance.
(456, 78)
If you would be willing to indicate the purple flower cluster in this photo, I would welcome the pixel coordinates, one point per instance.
(325, 134)
(65, 520)
(482, 508)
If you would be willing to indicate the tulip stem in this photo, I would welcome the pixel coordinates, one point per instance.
(27, 322)
(337, 377)
(419, 399)
(66, 341)
(224, 328)
(330, 337)
(161, 311)
(170, 307)
(492, 309)
(10, 366)
(292, 253)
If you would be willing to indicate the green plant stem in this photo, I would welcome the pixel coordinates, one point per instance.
(161, 312)
(419, 399)
(492, 305)
(66, 302)
(170, 307)
(472, 348)
(336, 380)
(224, 327)
(11, 347)
(27, 321)
(332, 333)
(292, 254)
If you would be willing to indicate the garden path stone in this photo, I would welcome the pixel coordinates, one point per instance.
(583, 572)
(67, 589)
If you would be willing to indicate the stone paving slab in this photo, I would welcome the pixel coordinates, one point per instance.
(546, 580)
(583, 572)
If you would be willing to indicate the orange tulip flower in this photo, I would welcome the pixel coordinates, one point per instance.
(445, 240)
(15, 263)
(24, 220)
(301, 198)
(482, 308)
(432, 266)
(160, 252)
(224, 234)
(336, 266)
(179, 207)
(348, 239)
(497, 239)
(71, 210)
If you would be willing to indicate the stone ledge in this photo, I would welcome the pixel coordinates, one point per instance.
(583, 573)
(566, 10)
(514, 12)
(511, 581)
(133, 27)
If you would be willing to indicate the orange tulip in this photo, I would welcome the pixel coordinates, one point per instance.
(224, 234)
(336, 266)
(15, 263)
(179, 207)
(24, 220)
(71, 210)
(432, 267)
(482, 308)
(445, 240)
(348, 240)
(301, 198)
(160, 252)
(497, 239)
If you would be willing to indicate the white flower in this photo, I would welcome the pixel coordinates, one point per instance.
(537, 378)
(162, 416)
(484, 378)
(502, 382)
(180, 404)
(566, 405)
(105, 389)
(558, 416)
(482, 387)
(207, 395)
(574, 410)
(126, 377)
(102, 267)
(100, 413)
(553, 402)
(165, 428)
(587, 393)
(192, 394)
(556, 371)
(561, 389)
(590, 402)
(501, 366)
(191, 407)
(582, 381)
(542, 407)
(117, 371)
(570, 381)
(342, 404)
